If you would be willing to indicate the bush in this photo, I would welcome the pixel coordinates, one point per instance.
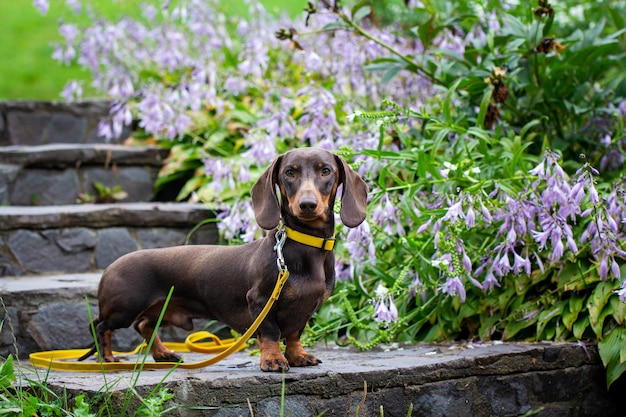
(491, 135)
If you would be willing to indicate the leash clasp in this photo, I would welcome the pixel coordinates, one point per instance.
(281, 237)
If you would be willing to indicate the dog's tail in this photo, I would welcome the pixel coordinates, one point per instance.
(88, 354)
(94, 347)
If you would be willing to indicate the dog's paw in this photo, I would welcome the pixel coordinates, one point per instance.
(167, 357)
(274, 363)
(302, 359)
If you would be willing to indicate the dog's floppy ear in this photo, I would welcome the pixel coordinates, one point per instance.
(264, 199)
(354, 197)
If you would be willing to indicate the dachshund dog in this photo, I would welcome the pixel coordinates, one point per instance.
(232, 284)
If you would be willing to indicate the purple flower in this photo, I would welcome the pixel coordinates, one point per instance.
(359, 244)
(454, 212)
(73, 91)
(454, 286)
(237, 220)
(490, 281)
(416, 286)
(42, 6)
(386, 215)
(385, 310)
(220, 173)
(622, 107)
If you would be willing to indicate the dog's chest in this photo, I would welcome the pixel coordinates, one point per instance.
(305, 288)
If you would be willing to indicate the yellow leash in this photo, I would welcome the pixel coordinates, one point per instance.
(58, 359)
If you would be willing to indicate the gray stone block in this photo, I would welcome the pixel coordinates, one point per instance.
(66, 128)
(113, 243)
(291, 406)
(50, 187)
(8, 268)
(4, 136)
(8, 173)
(205, 235)
(160, 237)
(75, 240)
(137, 182)
(61, 326)
(508, 396)
(40, 251)
(10, 325)
(443, 399)
(26, 128)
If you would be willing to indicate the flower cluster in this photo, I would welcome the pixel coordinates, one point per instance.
(534, 229)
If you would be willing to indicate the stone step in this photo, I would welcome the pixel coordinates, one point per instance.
(32, 123)
(491, 379)
(61, 173)
(49, 312)
(88, 237)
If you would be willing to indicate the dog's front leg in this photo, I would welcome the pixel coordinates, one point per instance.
(272, 359)
(268, 335)
(295, 353)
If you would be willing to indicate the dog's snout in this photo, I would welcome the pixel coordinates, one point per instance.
(308, 204)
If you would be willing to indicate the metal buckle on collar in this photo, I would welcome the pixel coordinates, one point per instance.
(330, 240)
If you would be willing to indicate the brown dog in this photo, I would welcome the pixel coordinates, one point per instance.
(232, 284)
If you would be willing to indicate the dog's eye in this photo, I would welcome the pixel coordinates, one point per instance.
(325, 172)
(290, 172)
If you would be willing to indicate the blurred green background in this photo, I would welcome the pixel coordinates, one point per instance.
(27, 70)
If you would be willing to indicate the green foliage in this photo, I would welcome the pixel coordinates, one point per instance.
(34, 398)
(104, 194)
(525, 86)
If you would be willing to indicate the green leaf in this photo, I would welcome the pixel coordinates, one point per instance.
(610, 348)
(546, 316)
(484, 104)
(7, 372)
(360, 11)
(514, 325)
(597, 305)
(336, 25)
(191, 185)
(579, 328)
(618, 308)
(447, 102)
(82, 408)
(574, 307)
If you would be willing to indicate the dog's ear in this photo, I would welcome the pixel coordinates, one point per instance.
(264, 199)
(354, 197)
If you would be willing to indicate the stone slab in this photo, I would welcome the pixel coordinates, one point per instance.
(62, 154)
(103, 215)
(492, 379)
(86, 282)
(29, 122)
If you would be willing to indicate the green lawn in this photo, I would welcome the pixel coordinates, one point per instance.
(27, 70)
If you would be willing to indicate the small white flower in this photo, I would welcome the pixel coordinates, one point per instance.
(381, 291)
(352, 116)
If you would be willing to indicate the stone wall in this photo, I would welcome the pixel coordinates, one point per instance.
(490, 380)
(31, 123)
(62, 173)
(84, 238)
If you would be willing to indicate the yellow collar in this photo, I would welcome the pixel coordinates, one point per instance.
(327, 243)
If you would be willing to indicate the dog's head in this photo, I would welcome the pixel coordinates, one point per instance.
(307, 180)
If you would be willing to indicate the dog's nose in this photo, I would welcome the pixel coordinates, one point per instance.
(308, 204)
